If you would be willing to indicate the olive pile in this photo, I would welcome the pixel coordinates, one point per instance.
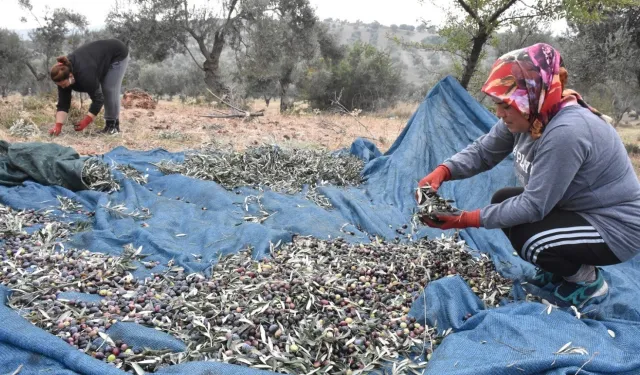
(314, 304)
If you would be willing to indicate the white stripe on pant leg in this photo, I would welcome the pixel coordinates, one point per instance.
(550, 231)
(555, 230)
(561, 243)
(529, 252)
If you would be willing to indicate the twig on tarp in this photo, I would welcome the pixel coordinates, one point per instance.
(584, 364)
(519, 350)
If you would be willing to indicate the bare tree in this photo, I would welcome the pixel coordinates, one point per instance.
(278, 40)
(471, 24)
(156, 28)
(13, 54)
(603, 59)
(50, 36)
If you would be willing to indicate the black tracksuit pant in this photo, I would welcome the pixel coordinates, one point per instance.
(560, 243)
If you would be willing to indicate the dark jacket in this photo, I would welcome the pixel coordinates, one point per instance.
(89, 65)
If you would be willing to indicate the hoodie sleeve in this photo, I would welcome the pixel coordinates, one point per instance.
(97, 100)
(64, 99)
(483, 154)
(560, 155)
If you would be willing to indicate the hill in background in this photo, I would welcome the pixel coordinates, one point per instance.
(416, 64)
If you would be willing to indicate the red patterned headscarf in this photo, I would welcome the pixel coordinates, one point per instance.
(530, 80)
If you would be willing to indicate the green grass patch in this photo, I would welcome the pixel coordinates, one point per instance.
(34, 103)
(8, 115)
(632, 148)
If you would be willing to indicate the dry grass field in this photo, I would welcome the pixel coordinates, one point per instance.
(176, 126)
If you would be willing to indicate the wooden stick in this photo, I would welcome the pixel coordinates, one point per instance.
(221, 112)
(234, 116)
(220, 99)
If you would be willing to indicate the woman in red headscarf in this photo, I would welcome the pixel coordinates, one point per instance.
(579, 203)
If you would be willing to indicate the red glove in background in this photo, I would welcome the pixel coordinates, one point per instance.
(436, 177)
(461, 220)
(83, 123)
(56, 130)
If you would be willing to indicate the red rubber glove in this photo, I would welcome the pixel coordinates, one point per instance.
(83, 123)
(436, 177)
(56, 130)
(459, 220)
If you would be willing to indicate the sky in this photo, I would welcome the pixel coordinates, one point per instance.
(386, 12)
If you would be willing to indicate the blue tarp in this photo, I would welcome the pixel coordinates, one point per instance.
(519, 338)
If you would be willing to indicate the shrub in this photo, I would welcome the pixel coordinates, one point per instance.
(9, 114)
(173, 135)
(632, 148)
(76, 114)
(34, 103)
(367, 79)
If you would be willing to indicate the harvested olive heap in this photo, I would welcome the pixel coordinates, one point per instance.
(325, 305)
(282, 170)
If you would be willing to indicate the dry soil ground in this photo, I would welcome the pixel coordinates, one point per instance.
(176, 126)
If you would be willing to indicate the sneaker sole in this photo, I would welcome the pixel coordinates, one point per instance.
(604, 289)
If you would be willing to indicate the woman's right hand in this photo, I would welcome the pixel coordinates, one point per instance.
(436, 177)
(56, 130)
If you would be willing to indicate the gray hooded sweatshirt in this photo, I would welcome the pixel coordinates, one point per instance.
(579, 164)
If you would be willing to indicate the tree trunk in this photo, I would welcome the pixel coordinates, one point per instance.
(211, 66)
(619, 116)
(471, 61)
(284, 105)
(285, 81)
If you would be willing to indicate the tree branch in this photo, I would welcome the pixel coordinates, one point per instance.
(501, 10)
(194, 59)
(232, 7)
(39, 77)
(468, 9)
(199, 39)
(27, 5)
(528, 16)
(232, 106)
(524, 38)
(539, 12)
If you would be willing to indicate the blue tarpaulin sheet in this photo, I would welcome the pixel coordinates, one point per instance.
(517, 338)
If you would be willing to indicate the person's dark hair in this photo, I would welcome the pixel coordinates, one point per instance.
(61, 70)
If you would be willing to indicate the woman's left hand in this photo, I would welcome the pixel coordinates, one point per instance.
(56, 130)
(457, 220)
(83, 123)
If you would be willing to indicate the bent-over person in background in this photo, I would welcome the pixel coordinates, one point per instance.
(96, 68)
